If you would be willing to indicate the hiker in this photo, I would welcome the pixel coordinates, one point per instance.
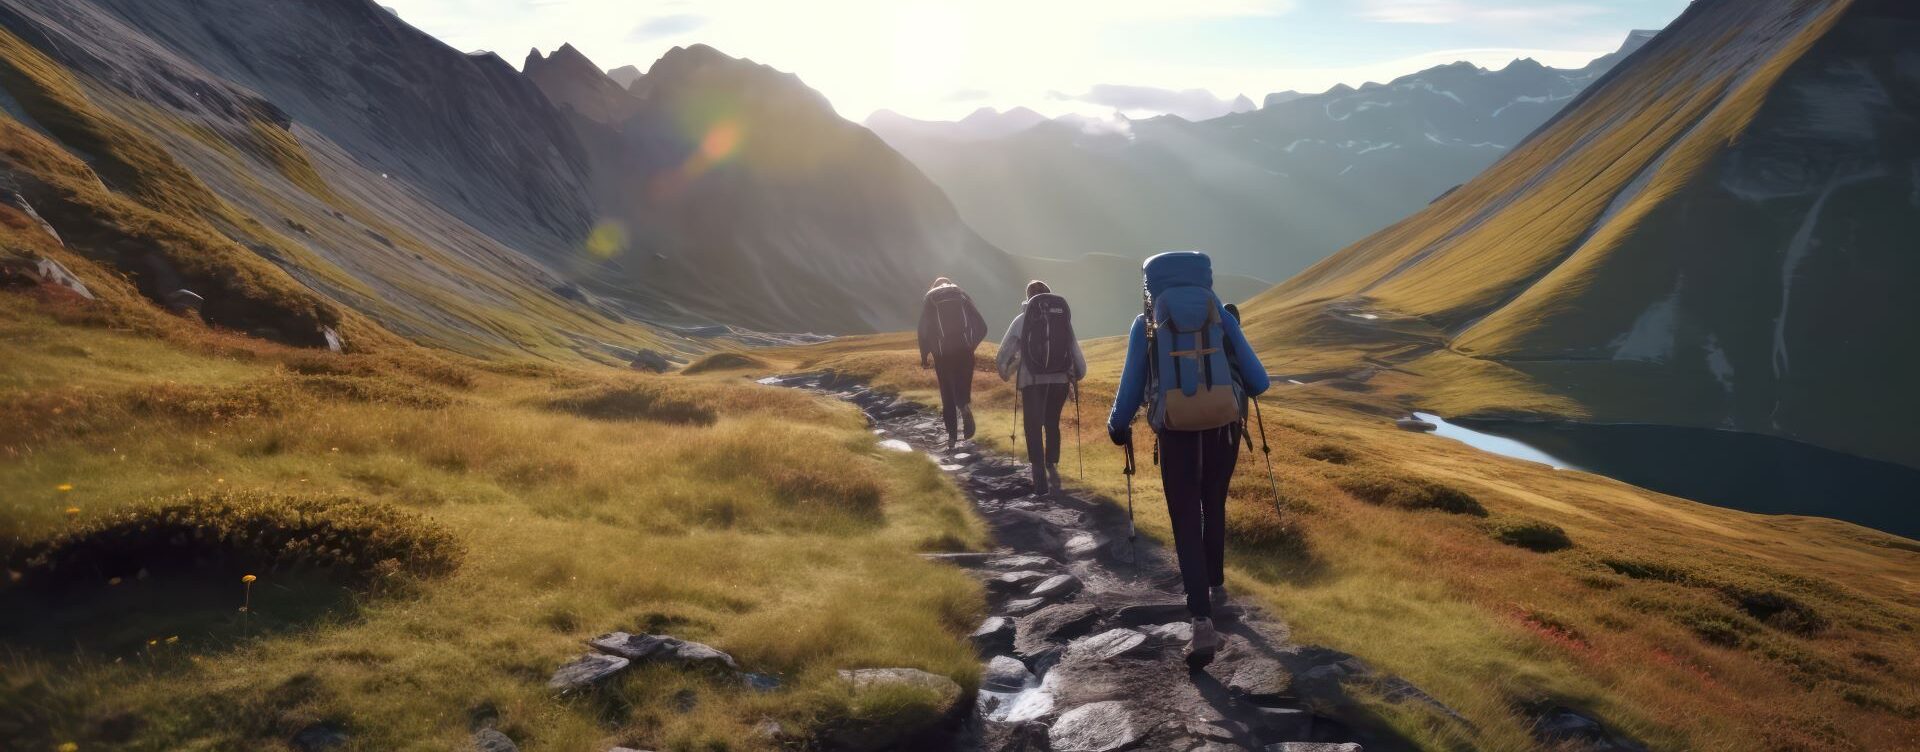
(1190, 365)
(950, 329)
(1043, 359)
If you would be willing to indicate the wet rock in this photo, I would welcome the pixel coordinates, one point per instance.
(896, 445)
(586, 671)
(1314, 747)
(994, 636)
(1005, 674)
(663, 649)
(183, 301)
(1012, 582)
(1026, 736)
(1057, 586)
(648, 360)
(1416, 425)
(1096, 727)
(44, 271)
(1107, 645)
(491, 740)
(1259, 681)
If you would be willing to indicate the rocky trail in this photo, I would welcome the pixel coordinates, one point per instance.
(1082, 652)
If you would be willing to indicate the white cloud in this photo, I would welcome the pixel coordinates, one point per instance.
(1465, 11)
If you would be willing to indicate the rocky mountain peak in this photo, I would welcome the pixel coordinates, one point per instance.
(625, 75)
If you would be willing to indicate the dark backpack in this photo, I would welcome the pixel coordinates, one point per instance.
(953, 324)
(1046, 340)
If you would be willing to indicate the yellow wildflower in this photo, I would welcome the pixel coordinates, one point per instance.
(248, 578)
(64, 487)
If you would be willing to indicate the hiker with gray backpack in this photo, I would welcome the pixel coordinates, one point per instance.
(950, 330)
(1190, 365)
(1043, 359)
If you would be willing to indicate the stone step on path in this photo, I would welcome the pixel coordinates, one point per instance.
(1083, 651)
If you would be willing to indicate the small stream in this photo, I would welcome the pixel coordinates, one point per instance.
(1745, 471)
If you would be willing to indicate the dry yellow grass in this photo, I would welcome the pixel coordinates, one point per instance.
(1758, 632)
(773, 530)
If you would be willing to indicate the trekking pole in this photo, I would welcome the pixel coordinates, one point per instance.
(1267, 451)
(1012, 440)
(1132, 552)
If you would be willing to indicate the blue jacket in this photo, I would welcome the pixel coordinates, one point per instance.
(1133, 377)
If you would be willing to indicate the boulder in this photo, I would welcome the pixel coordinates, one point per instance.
(19, 202)
(994, 637)
(586, 671)
(1096, 727)
(1023, 606)
(1415, 424)
(332, 338)
(896, 445)
(491, 740)
(1005, 674)
(648, 360)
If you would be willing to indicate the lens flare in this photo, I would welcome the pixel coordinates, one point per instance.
(721, 140)
(608, 239)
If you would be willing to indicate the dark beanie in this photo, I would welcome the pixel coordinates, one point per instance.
(1037, 287)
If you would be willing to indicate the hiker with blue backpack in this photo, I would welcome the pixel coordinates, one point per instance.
(1043, 359)
(951, 328)
(1190, 365)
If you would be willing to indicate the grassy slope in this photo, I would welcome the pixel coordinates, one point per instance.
(1640, 621)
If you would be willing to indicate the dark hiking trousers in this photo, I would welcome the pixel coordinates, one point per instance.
(1040, 407)
(1196, 467)
(954, 370)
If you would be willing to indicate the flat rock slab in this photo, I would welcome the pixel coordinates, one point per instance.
(586, 671)
(663, 649)
(1176, 632)
(1057, 586)
(1054, 624)
(1143, 614)
(1107, 645)
(1017, 581)
(1026, 561)
(1024, 606)
(1096, 727)
(1260, 680)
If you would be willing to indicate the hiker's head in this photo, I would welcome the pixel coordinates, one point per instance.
(1234, 311)
(1037, 287)
(938, 281)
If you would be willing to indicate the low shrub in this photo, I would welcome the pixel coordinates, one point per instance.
(350, 541)
(374, 390)
(725, 361)
(637, 400)
(1532, 535)
(1408, 492)
(1329, 452)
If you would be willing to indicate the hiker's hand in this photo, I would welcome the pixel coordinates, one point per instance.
(1121, 436)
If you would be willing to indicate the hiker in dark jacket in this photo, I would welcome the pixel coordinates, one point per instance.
(950, 329)
(1190, 364)
(1044, 386)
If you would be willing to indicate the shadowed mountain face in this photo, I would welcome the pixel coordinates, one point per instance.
(1719, 234)
(457, 200)
(1266, 192)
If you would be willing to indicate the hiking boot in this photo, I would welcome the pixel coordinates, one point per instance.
(1053, 478)
(966, 422)
(1205, 643)
(1039, 481)
(1222, 604)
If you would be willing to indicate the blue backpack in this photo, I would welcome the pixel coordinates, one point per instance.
(1192, 385)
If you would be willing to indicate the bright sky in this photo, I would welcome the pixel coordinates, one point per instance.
(940, 59)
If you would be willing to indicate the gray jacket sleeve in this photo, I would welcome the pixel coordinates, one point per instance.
(1009, 360)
